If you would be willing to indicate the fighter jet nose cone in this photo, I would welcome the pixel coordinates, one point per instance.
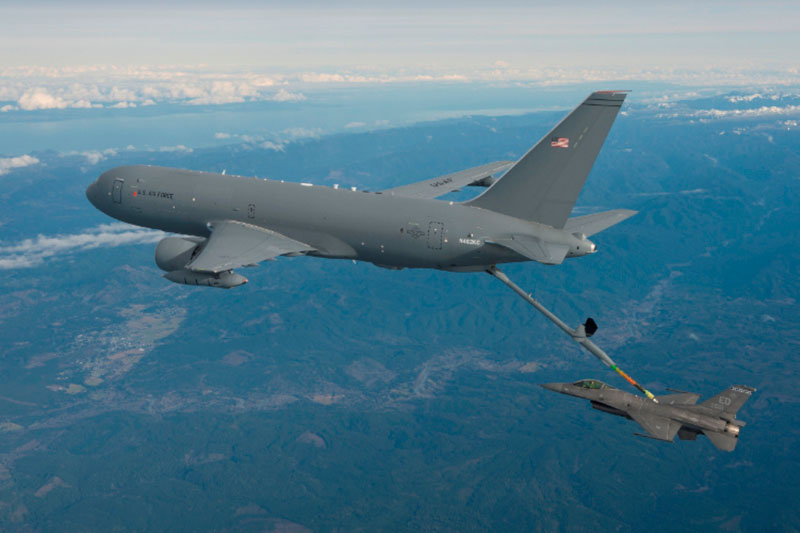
(552, 386)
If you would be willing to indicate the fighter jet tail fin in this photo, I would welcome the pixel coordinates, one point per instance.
(544, 185)
(722, 441)
(731, 400)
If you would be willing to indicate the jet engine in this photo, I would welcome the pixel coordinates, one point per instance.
(174, 253)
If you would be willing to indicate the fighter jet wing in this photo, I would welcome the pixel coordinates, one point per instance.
(533, 248)
(233, 244)
(657, 427)
(680, 398)
(435, 187)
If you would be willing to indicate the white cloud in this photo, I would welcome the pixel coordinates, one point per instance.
(762, 111)
(751, 97)
(94, 156)
(269, 145)
(355, 125)
(7, 164)
(40, 98)
(222, 135)
(300, 133)
(178, 148)
(29, 88)
(758, 112)
(33, 252)
(285, 96)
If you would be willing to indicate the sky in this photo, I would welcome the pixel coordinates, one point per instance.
(89, 55)
(420, 36)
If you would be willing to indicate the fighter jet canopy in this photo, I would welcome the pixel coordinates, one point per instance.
(592, 384)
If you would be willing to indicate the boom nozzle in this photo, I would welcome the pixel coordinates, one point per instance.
(590, 327)
(580, 334)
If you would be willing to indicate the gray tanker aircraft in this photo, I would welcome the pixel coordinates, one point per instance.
(674, 413)
(229, 222)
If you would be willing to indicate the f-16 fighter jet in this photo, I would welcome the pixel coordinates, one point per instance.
(674, 413)
(230, 222)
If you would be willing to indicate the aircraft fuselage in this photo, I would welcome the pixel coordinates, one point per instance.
(383, 228)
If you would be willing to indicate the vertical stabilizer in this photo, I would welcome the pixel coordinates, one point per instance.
(544, 185)
(731, 400)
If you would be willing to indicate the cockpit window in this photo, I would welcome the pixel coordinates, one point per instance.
(591, 384)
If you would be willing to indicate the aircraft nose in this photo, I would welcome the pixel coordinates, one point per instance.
(90, 192)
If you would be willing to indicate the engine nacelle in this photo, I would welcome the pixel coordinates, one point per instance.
(174, 253)
(223, 280)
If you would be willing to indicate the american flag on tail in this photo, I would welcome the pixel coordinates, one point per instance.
(559, 142)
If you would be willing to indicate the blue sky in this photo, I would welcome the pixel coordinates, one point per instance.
(64, 58)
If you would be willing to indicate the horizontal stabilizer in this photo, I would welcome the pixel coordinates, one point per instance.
(591, 224)
(535, 249)
(722, 441)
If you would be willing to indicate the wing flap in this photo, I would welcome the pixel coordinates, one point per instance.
(657, 427)
(441, 185)
(535, 249)
(234, 244)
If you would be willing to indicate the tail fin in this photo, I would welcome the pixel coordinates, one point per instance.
(731, 400)
(544, 185)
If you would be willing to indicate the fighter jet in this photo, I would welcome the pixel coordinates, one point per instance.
(674, 413)
(229, 222)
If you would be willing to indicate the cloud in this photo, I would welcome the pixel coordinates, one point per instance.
(355, 124)
(758, 112)
(179, 148)
(33, 252)
(763, 111)
(32, 88)
(40, 98)
(300, 133)
(8, 164)
(285, 96)
(222, 135)
(94, 156)
(269, 145)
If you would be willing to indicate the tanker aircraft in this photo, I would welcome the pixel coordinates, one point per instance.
(226, 222)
